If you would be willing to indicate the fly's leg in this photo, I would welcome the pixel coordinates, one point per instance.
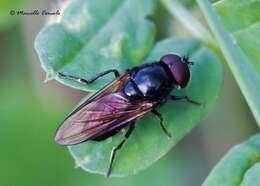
(116, 148)
(80, 80)
(186, 98)
(159, 116)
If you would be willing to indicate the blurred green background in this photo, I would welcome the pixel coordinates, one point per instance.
(31, 110)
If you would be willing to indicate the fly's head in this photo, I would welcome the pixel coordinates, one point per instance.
(179, 67)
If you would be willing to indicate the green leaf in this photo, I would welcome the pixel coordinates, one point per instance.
(188, 20)
(148, 143)
(243, 69)
(242, 19)
(252, 177)
(240, 166)
(91, 38)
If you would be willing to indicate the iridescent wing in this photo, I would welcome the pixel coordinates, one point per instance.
(114, 86)
(107, 110)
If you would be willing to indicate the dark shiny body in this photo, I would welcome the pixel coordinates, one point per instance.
(152, 82)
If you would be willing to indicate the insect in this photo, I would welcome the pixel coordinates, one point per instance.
(119, 104)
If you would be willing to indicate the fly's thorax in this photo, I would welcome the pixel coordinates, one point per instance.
(149, 81)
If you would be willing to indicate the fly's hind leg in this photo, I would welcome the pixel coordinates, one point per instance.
(180, 98)
(159, 116)
(116, 73)
(118, 146)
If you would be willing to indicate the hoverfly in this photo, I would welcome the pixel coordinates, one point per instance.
(119, 104)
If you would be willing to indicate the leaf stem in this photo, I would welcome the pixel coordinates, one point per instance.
(188, 20)
(244, 73)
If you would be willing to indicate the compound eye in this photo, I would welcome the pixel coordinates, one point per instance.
(169, 59)
(179, 68)
(181, 73)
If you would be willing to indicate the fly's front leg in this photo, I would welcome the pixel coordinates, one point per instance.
(116, 148)
(186, 98)
(81, 80)
(159, 116)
